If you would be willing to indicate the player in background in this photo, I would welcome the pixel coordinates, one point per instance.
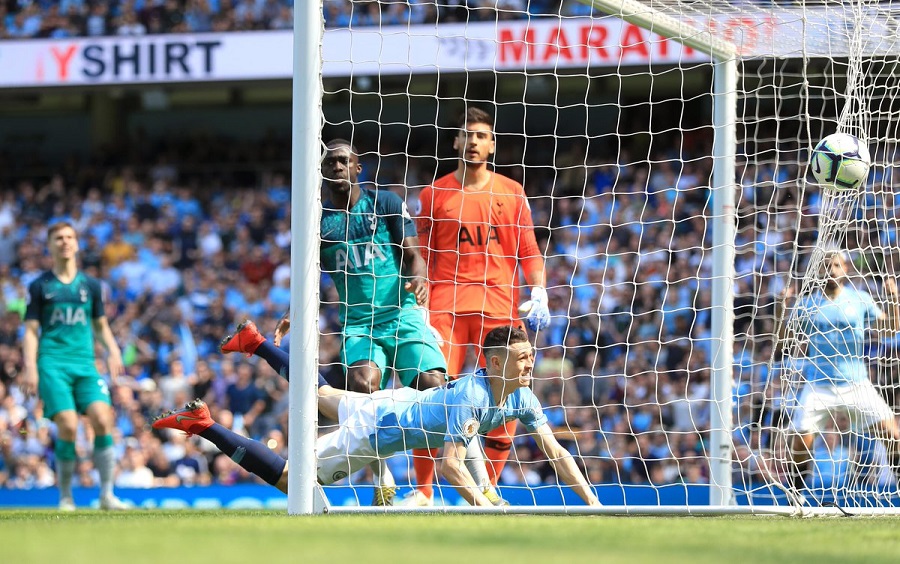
(63, 317)
(478, 239)
(833, 320)
(375, 426)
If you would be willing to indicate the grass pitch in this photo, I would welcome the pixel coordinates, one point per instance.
(194, 537)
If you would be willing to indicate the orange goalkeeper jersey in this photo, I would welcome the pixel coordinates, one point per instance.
(475, 242)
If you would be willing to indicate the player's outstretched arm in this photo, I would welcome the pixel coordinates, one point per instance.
(29, 378)
(284, 325)
(783, 315)
(414, 270)
(563, 464)
(114, 355)
(454, 470)
(889, 321)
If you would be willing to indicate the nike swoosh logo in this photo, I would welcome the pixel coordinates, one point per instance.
(180, 418)
(49, 296)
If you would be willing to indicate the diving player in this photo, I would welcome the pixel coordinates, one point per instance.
(378, 425)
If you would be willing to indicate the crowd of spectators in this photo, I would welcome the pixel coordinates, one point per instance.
(624, 368)
(93, 18)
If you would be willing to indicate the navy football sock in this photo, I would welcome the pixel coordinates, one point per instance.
(250, 455)
(278, 359)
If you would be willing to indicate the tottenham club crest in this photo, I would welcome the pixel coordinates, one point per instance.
(84, 295)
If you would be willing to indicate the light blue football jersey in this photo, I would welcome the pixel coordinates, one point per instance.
(455, 412)
(836, 333)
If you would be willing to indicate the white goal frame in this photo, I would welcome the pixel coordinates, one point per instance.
(306, 206)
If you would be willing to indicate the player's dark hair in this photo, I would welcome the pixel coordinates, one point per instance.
(335, 143)
(502, 337)
(475, 115)
(60, 225)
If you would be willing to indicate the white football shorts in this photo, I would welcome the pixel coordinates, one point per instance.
(818, 403)
(343, 452)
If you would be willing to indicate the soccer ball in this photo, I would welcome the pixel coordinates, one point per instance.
(840, 161)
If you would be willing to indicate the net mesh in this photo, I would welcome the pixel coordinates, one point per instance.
(609, 129)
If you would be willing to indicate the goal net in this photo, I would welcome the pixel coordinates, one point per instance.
(661, 369)
(846, 84)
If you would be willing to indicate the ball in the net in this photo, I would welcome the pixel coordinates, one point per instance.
(840, 162)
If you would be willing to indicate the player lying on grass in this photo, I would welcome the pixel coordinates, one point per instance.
(373, 427)
(249, 341)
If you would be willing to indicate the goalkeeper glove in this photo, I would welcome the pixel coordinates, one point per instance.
(536, 310)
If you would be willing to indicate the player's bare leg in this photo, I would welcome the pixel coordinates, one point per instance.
(67, 429)
(801, 449)
(429, 379)
(282, 483)
(385, 486)
(102, 419)
(363, 377)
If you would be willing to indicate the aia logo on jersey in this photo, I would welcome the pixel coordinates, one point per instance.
(67, 316)
(477, 235)
(358, 256)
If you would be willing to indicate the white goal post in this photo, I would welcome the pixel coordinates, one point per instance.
(794, 56)
(305, 213)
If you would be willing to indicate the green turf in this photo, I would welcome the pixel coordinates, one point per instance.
(267, 538)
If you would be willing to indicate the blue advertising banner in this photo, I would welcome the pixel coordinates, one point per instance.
(252, 496)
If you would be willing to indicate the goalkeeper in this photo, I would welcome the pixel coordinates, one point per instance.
(834, 321)
(373, 427)
(478, 235)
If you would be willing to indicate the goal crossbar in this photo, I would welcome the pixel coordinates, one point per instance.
(651, 19)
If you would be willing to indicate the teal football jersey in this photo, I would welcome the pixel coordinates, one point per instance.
(65, 312)
(361, 251)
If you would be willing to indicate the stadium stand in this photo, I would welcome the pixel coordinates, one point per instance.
(76, 18)
(190, 246)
